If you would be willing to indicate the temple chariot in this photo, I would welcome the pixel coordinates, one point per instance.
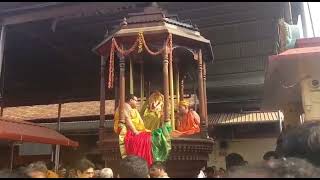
(147, 59)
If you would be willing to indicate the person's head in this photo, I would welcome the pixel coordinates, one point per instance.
(270, 155)
(210, 171)
(234, 160)
(157, 169)
(36, 170)
(132, 100)
(84, 168)
(277, 168)
(106, 173)
(222, 170)
(62, 172)
(302, 142)
(133, 167)
(72, 173)
(50, 165)
(184, 106)
(220, 173)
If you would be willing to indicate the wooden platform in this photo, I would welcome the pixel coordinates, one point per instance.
(188, 154)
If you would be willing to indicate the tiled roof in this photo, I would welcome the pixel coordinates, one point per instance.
(243, 118)
(92, 108)
(79, 125)
(214, 119)
(74, 109)
(182, 24)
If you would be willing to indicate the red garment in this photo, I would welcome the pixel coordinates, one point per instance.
(139, 145)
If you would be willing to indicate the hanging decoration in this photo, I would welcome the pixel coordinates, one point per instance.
(140, 43)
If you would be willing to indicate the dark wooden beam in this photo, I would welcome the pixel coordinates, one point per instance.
(102, 90)
(22, 7)
(65, 53)
(71, 10)
(218, 10)
(236, 17)
(98, 19)
(2, 46)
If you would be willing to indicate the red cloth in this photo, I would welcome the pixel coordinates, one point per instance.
(139, 145)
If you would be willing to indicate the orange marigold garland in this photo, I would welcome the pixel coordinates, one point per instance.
(111, 66)
(140, 43)
(140, 39)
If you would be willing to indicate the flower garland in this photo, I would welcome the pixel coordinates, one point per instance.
(140, 43)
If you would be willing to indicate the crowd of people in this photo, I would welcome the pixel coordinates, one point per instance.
(130, 167)
(295, 156)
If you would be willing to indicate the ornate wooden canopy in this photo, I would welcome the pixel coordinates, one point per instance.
(158, 29)
(155, 23)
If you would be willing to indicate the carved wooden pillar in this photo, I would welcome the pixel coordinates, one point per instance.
(181, 84)
(116, 91)
(122, 85)
(205, 91)
(177, 83)
(131, 75)
(203, 124)
(171, 92)
(166, 86)
(102, 91)
(141, 84)
(148, 89)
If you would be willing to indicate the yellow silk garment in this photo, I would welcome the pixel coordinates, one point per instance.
(135, 119)
(152, 119)
(152, 111)
(121, 129)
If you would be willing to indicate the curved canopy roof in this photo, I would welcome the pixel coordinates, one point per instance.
(30, 132)
(155, 24)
